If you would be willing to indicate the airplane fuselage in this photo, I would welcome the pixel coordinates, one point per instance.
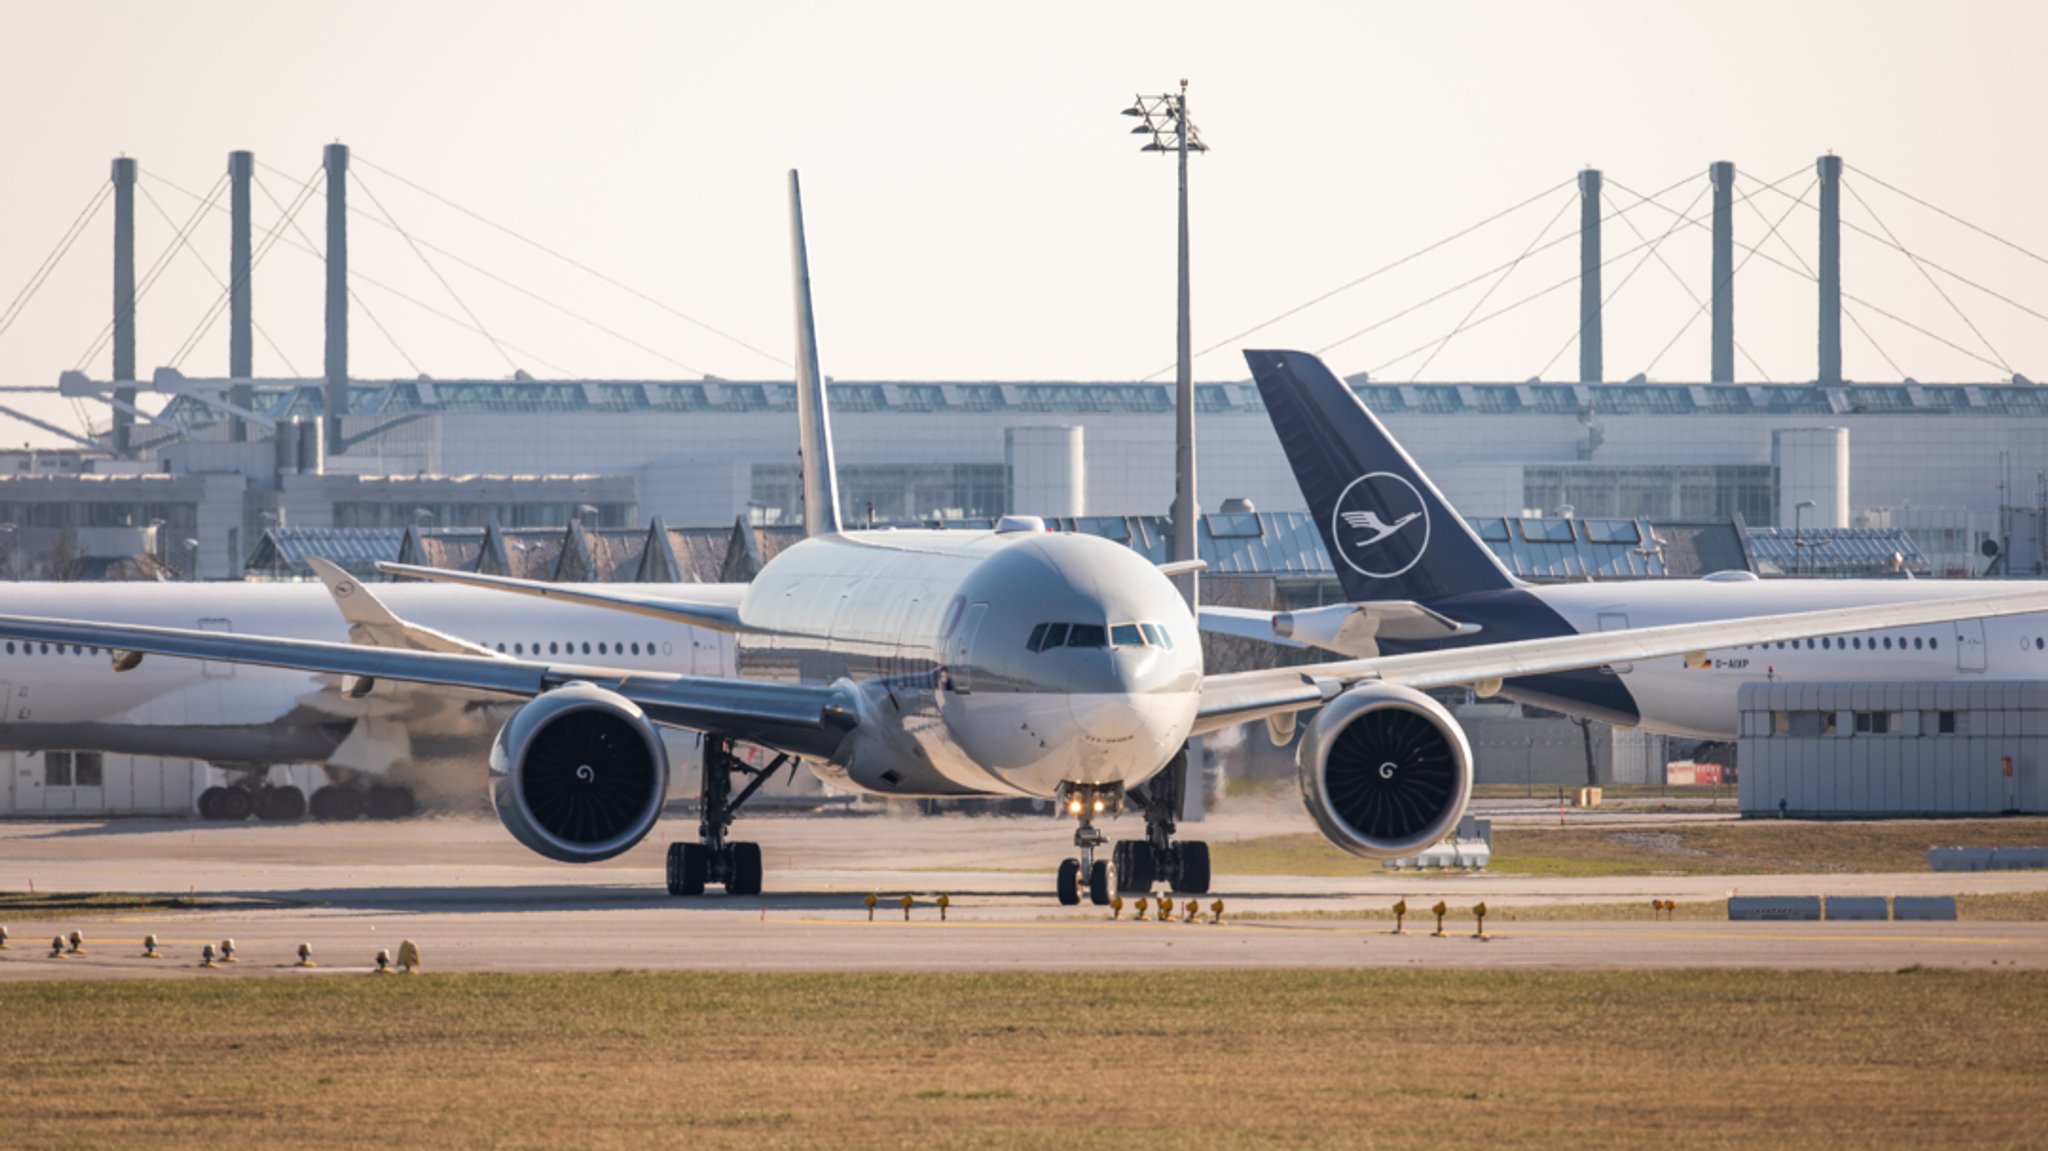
(934, 631)
(1674, 697)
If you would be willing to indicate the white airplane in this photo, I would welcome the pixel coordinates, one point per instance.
(1005, 663)
(384, 749)
(1439, 587)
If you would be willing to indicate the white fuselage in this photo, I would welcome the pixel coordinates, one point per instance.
(930, 632)
(1677, 698)
(62, 697)
(933, 630)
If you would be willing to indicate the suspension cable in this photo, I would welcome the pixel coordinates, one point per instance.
(574, 263)
(538, 298)
(1372, 275)
(436, 272)
(155, 272)
(1490, 289)
(43, 270)
(1459, 287)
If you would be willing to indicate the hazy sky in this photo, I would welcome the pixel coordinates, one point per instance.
(977, 209)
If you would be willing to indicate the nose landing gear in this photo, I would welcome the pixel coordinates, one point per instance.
(1085, 802)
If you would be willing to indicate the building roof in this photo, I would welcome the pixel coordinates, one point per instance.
(412, 398)
(1283, 545)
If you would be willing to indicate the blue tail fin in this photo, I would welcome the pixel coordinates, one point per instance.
(1389, 531)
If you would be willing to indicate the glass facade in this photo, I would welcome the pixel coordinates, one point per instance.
(1677, 493)
(887, 493)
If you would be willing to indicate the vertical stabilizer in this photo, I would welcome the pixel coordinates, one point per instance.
(817, 471)
(1389, 531)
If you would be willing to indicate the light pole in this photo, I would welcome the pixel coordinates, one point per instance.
(1799, 536)
(1164, 118)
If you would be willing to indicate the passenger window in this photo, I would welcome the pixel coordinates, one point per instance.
(1127, 635)
(1916, 643)
(601, 650)
(501, 649)
(1037, 640)
(554, 650)
(518, 649)
(1055, 636)
(1087, 635)
(586, 647)
(1933, 641)
(636, 649)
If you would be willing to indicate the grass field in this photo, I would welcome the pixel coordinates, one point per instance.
(1180, 1060)
(1750, 847)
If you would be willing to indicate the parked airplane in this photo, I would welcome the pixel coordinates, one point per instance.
(1430, 583)
(1012, 662)
(383, 749)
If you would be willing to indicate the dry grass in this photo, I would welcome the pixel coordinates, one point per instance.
(15, 905)
(1182, 1060)
(1750, 847)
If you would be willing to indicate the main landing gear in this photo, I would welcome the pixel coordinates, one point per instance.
(1158, 859)
(1135, 866)
(691, 866)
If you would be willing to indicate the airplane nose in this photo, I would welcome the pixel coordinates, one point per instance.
(1120, 706)
(1110, 718)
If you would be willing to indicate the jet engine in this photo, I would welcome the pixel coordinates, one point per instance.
(1385, 771)
(579, 774)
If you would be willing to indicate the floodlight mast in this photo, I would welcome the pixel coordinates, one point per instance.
(1165, 120)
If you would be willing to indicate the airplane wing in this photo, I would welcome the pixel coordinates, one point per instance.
(704, 612)
(1240, 697)
(371, 624)
(806, 721)
(1350, 629)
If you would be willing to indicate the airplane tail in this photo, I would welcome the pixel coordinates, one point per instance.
(1389, 531)
(818, 473)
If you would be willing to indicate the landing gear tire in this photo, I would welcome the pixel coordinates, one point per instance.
(1098, 883)
(209, 803)
(337, 803)
(280, 804)
(1069, 885)
(694, 866)
(743, 869)
(233, 804)
(688, 867)
(1134, 870)
(387, 801)
(1192, 867)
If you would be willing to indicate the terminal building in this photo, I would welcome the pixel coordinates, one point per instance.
(688, 479)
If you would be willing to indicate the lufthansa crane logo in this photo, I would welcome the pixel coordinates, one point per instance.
(1381, 525)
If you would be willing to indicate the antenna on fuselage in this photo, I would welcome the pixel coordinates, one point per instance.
(817, 473)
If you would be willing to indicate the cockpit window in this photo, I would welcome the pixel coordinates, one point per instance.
(1087, 635)
(1047, 636)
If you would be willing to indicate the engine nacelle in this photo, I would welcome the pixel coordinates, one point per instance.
(579, 774)
(1385, 771)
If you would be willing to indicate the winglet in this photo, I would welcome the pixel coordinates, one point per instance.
(372, 624)
(819, 472)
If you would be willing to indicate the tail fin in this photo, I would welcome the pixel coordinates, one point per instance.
(818, 473)
(1390, 532)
